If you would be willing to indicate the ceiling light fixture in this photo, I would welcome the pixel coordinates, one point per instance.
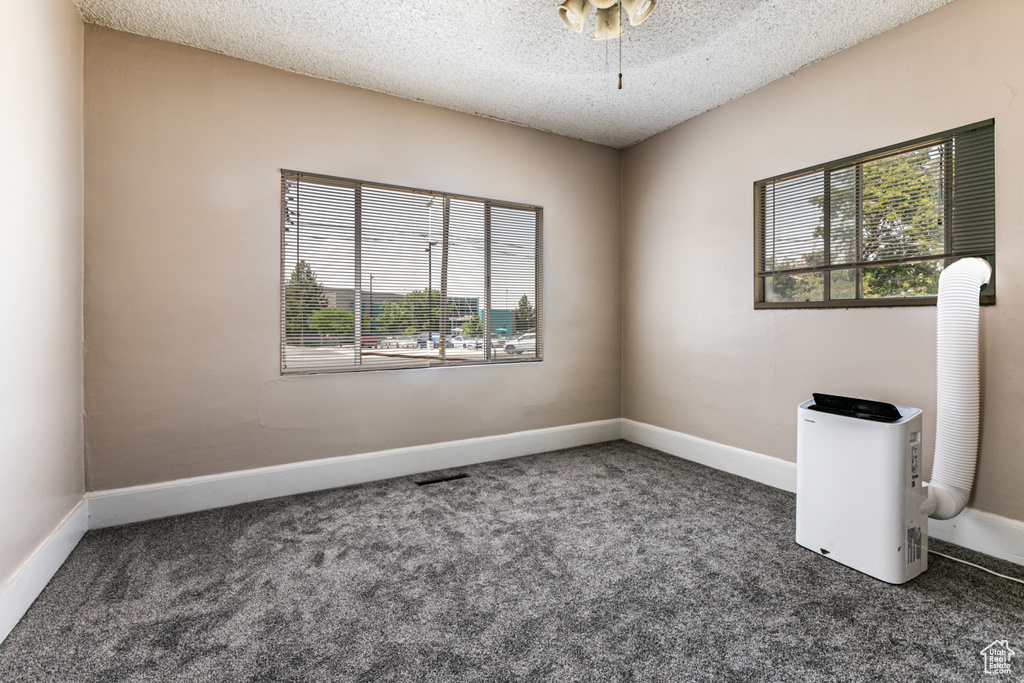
(575, 13)
(609, 17)
(608, 22)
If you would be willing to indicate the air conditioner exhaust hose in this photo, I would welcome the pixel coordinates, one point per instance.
(957, 395)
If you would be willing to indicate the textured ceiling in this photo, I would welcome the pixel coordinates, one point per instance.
(515, 60)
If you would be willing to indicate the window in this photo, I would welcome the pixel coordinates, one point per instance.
(377, 277)
(876, 229)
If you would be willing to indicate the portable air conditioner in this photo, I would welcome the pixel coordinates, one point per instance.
(859, 492)
(860, 499)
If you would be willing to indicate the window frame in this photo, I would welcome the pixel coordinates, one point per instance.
(490, 358)
(987, 296)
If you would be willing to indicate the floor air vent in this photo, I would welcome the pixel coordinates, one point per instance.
(427, 482)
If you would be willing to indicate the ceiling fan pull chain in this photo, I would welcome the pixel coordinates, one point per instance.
(620, 60)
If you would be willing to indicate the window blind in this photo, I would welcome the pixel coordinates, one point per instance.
(377, 277)
(877, 229)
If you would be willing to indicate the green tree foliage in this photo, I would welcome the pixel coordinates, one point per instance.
(474, 327)
(393, 318)
(331, 321)
(423, 307)
(525, 315)
(795, 287)
(303, 296)
(901, 216)
(844, 284)
(909, 279)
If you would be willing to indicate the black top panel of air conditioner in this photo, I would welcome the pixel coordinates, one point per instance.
(860, 408)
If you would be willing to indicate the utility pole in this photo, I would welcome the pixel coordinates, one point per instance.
(430, 285)
(371, 302)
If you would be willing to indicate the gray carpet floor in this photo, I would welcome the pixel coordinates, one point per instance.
(602, 563)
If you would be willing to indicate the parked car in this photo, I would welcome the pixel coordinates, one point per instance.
(370, 341)
(467, 342)
(433, 341)
(404, 342)
(524, 344)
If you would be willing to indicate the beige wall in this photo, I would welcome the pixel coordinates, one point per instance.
(41, 476)
(183, 151)
(699, 359)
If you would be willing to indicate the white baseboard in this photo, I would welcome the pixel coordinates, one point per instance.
(748, 464)
(152, 501)
(993, 535)
(33, 575)
(981, 531)
(973, 529)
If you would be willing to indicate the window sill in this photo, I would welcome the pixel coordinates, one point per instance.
(862, 303)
